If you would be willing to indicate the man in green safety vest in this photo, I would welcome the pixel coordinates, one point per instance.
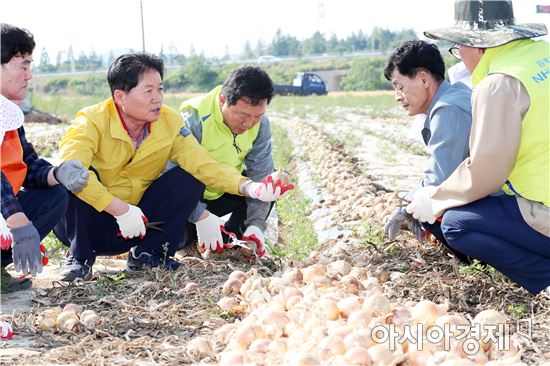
(230, 123)
(496, 205)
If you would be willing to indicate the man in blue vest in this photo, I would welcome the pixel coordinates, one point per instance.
(496, 204)
(230, 123)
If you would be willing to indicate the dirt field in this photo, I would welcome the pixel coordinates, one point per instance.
(349, 167)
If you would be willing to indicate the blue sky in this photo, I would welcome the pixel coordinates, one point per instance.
(216, 27)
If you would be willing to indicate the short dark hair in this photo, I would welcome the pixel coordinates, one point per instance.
(249, 82)
(125, 71)
(413, 56)
(15, 42)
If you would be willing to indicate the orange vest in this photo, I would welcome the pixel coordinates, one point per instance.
(11, 160)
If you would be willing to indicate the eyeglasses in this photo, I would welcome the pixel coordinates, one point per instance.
(455, 51)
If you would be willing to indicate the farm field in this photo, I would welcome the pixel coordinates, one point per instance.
(332, 290)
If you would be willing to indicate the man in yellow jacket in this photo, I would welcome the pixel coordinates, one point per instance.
(496, 204)
(126, 142)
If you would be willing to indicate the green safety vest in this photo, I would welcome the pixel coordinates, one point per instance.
(529, 62)
(217, 138)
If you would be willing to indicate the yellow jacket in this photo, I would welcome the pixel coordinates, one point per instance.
(97, 138)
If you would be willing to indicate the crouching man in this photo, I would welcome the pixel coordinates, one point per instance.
(126, 142)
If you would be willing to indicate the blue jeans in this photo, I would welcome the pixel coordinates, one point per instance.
(170, 198)
(493, 231)
(44, 207)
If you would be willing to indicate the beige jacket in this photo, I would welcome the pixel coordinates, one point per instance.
(499, 104)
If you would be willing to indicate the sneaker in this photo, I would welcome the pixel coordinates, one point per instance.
(138, 259)
(74, 268)
(12, 284)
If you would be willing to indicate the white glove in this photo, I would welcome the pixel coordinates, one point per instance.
(421, 205)
(5, 235)
(271, 188)
(131, 223)
(255, 235)
(209, 234)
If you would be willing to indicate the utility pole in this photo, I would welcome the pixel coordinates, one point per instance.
(142, 27)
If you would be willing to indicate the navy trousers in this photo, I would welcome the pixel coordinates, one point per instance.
(171, 198)
(493, 231)
(44, 207)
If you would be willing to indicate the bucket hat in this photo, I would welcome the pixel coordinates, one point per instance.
(11, 116)
(485, 24)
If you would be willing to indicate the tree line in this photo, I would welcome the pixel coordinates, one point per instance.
(282, 45)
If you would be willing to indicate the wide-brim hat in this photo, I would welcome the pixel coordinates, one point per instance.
(485, 24)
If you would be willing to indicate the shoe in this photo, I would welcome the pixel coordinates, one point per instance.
(74, 268)
(138, 259)
(12, 284)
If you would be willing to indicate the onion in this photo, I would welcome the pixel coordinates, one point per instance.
(277, 346)
(358, 356)
(69, 325)
(288, 292)
(359, 338)
(295, 275)
(331, 346)
(259, 345)
(321, 281)
(381, 355)
(359, 319)
(63, 316)
(73, 307)
(360, 273)
(418, 358)
(341, 267)
(371, 284)
(227, 303)
(47, 324)
(490, 317)
(327, 308)
(231, 286)
(224, 333)
(52, 312)
(247, 334)
(304, 359)
(293, 301)
(376, 305)
(351, 284)
(315, 270)
(348, 305)
(90, 319)
(233, 359)
(199, 347)
(427, 312)
(239, 275)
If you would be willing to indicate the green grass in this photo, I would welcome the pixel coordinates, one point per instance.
(67, 107)
(519, 310)
(372, 105)
(55, 250)
(293, 209)
(476, 268)
(62, 106)
(372, 234)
